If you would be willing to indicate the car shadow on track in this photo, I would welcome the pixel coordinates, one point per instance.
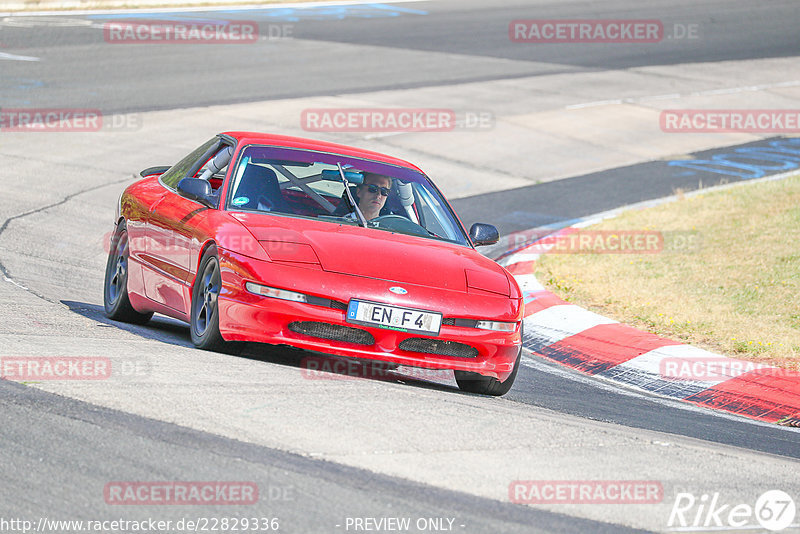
(159, 328)
(312, 365)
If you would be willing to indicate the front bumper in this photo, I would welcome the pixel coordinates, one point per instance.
(248, 317)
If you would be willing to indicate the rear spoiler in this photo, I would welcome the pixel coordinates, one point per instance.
(154, 170)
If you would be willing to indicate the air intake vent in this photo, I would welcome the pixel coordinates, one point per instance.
(336, 305)
(437, 346)
(334, 332)
(452, 321)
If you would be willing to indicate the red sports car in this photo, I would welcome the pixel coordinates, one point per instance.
(324, 247)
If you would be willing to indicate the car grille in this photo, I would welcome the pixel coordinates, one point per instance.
(336, 305)
(333, 332)
(438, 346)
(328, 303)
(452, 321)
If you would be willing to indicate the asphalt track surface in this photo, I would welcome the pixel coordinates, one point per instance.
(48, 438)
(572, 198)
(305, 495)
(448, 36)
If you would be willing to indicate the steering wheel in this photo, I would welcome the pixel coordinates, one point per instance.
(400, 224)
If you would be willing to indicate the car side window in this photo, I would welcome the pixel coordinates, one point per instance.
(178, 171)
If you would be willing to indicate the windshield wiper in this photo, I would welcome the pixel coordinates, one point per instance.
(362, 221)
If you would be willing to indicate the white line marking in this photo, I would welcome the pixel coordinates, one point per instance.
(7, 279)
(660, 97)
(13, 57)
(597, 103)
(676, 96)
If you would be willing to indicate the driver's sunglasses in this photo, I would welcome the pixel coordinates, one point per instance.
(372, 188)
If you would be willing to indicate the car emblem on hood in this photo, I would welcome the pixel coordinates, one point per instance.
(397, 290)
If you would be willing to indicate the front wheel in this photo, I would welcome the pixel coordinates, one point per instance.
(116, 302)
(204, 316)
(487, 385)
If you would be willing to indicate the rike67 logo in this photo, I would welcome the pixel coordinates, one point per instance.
(774, 510)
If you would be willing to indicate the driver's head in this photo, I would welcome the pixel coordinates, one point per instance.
(372, 194)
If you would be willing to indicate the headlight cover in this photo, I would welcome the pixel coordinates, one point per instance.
(274, 292)
(497, 326)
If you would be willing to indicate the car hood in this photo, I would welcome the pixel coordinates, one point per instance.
(379, 254)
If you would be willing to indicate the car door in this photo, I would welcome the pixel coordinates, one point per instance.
(168, 244)
(170, 234)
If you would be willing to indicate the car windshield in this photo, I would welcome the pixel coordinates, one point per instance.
(301, 183)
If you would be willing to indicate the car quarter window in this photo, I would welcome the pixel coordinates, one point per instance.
(178, 171)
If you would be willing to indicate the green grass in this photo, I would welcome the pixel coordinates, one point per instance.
(728, 278)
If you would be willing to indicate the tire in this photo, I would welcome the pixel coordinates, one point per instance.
(116, 302)
(204, 314)
(487, 385)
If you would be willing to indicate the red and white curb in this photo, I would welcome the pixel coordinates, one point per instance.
(602, 347)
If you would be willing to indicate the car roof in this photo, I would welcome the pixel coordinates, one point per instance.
(313, 144)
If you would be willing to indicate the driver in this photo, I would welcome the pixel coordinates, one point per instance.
(372, 194)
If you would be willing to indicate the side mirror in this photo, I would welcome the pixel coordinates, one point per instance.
(197, 189)
(484, 234)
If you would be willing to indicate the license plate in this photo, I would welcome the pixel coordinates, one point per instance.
(394, 317)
